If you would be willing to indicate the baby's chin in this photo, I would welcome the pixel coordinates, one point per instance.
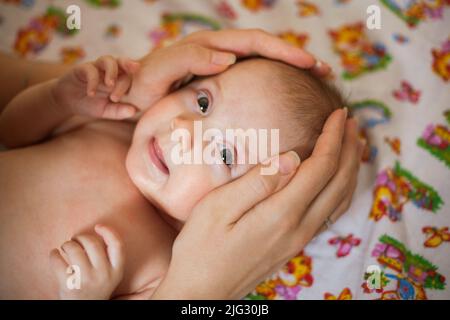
(170, 209)
(175, 216)
(178, 212)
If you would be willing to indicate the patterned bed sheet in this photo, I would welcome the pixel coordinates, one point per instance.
(394, 242)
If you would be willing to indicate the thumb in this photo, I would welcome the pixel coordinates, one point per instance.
(254, 186)
(180, 61)
(118, 111)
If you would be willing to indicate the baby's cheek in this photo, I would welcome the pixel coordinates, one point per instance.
(185, 190)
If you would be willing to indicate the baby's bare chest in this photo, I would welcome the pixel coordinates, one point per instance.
(78, 173)
(53, 191)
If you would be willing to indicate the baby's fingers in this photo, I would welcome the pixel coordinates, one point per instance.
(122, 86)
(110, 68)
(114, 245)
(76, 255)
(88, 73)
(118, 111)
(59, 266)
(95, 250)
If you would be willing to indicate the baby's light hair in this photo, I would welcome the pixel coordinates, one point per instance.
(308, 100)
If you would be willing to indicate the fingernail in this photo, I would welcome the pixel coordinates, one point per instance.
(345, 112)
(330, 76)
(289, 162)
(322, 66)
(363, 142)
(223, 59)
(318, 64)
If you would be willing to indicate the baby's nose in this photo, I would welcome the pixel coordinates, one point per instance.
(180, 123)
(187, 133)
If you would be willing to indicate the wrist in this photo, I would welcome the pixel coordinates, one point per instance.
(56, 101)
(182, 288)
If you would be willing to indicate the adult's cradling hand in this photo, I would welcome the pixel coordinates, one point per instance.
(206, 53)
(244, 231)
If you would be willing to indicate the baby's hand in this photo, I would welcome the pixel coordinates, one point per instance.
(94, 267)
(95, 89)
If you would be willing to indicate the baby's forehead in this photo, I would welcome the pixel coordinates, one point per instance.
(252, 81)
(247, 74)
(246, 97)
(257, 71)
(248, 102)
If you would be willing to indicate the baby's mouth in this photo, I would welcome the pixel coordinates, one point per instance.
(157, 157)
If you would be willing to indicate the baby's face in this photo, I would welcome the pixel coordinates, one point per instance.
(238, 98)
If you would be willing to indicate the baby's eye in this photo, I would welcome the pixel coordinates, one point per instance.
(227, 156)
(203, 102)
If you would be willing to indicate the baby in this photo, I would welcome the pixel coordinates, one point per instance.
(69, 174)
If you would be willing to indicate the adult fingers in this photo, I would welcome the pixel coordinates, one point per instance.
(245, 42)
(252, 188)
(313, 174)
(342, 208)
(335, 191)
(321, 69)
(352, 175)
(176, 62)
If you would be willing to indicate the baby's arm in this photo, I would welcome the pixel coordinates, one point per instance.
(97, 266)
(91, 90)
(31, 116)
(18, 74)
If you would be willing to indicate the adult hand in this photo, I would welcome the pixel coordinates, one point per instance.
(206, 53)
(242, 232)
